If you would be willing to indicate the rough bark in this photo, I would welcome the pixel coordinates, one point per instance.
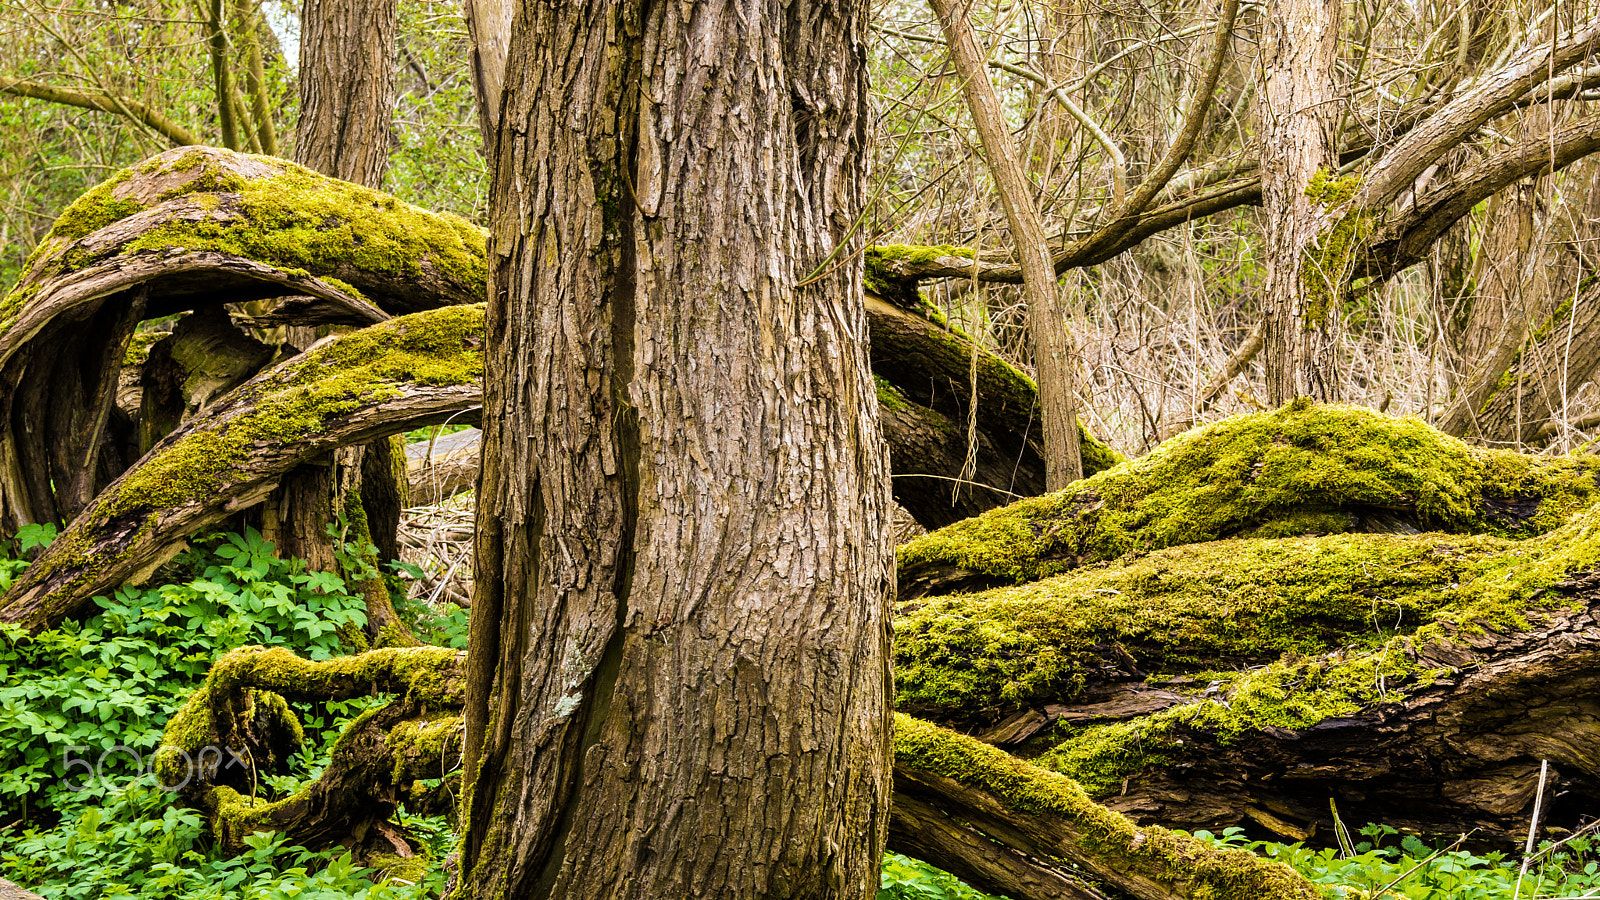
(1298, 116)
(347, 88)
(1055, 352)
(408, 372)
(925, 399)
(681, 521)
(996, 820)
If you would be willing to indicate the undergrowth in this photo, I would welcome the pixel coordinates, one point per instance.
(1391, 866)
(82, 708)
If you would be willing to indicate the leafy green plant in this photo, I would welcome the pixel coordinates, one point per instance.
(82, 706)
(446, 627)
(1412, 869)
(905, 878)
(137, 845)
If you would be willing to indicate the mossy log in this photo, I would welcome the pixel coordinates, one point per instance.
(407, 372)
(1302, 469)
(195, 228)
(1417, 678)
(192, 229)
(928, 381)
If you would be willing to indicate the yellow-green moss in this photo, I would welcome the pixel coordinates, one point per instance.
(1184, 609)
(139, 346)
(299, 219)
(1106, 839)
(1292, 693)
(1437, 592)
(1328, 190)
(887, 284)
(1300, 467)
(293, 219)
(438, 347)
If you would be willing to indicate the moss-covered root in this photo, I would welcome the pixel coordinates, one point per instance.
(1047, 816)
(215, 748)
(383, 379)
(1303, 469)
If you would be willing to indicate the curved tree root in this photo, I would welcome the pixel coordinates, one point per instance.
(961, 804)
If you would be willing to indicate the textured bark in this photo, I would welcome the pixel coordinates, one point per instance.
(347, 88)
(204, 357)
(347, 98)
(1054, 350)
(1297, 124)
(678, 674)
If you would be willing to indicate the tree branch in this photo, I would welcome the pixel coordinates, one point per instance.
(99, 102)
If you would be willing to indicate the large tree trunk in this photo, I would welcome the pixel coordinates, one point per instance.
(678, 678)
(1297, 124)
(347, 88)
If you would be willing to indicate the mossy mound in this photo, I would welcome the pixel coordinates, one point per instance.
(1267, 634)
(264, 209)
(1303, 469)
(1182, 610)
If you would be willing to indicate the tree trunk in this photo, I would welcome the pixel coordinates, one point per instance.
(1054, 352)
(347, 88)
(347, 97)
(1538, 307)
(1299, 49)
(678, 677)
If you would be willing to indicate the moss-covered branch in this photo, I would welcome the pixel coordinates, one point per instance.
(1302, 469)
(1045, 816)
(238, 728)
(384, 379)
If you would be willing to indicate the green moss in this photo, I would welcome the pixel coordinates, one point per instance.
(299, 219)
(1096, 455)
(1328, 190)
(1180, 610)
(139, 346)
(887, 284)
(293, 219)
(888, 397)
(1291, 693)
(93, 211)
(1102, 840)
(438, 347)
(1301, 466)
(1332, 627)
